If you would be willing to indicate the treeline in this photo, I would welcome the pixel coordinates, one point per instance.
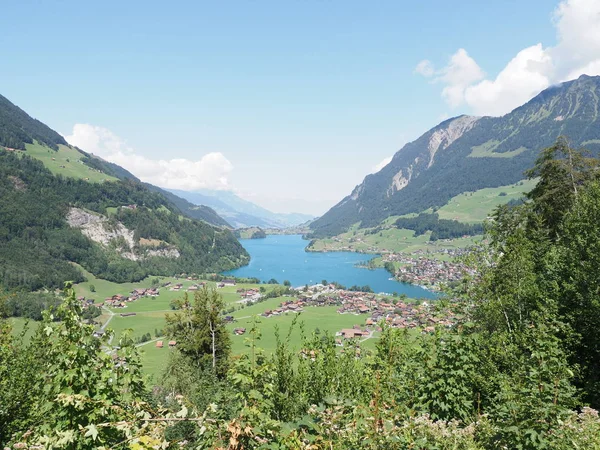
(440, 228)
(37, 245)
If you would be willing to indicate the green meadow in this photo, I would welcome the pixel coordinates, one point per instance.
(67, 162)
(475, 207)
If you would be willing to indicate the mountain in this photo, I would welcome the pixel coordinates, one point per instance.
(60, 205)
(242, 213)
(467, 153)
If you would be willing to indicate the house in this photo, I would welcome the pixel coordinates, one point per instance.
(228, 282)
(239, 331)
(159, 344)
(350, 333)
(172, 343)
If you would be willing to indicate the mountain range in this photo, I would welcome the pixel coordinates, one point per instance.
(468, 153)
(242, 213)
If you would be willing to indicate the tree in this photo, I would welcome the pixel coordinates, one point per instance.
(576, 268)
(92, 288)
(287, 283)
(200, 332)
(562, 171)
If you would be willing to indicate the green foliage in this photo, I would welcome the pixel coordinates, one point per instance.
(74, 394)
(30, 305)
(200, 332)
(440, 228)
(562, 172)
(36, 243)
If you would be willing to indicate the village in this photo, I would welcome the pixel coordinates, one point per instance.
(426, 271)
(393, 311)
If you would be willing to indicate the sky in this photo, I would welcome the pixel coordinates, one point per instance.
(291, 103)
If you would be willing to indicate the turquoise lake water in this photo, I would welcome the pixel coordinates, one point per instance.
(284, 258)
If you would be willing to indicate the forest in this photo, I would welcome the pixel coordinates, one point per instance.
(440, 228)
(520, 370)
(37, 246)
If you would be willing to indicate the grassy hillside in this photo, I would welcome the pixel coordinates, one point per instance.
(66, 161)
(474, 207)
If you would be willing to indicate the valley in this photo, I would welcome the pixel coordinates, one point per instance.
(450, 301)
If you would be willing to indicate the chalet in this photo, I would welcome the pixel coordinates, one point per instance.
(159, 344)
(350, 333)
(172, 343)
(228, 282)
(239, 331)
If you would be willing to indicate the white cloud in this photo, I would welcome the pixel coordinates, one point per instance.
(523, 77)
(533, 69)
(461, 71)
(382, 164)
(425, 68)
(211, 171)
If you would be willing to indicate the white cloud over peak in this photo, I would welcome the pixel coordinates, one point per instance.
(533, 69)
(384, 162)
(211, 171)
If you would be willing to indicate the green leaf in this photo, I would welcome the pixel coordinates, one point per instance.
(91, 431)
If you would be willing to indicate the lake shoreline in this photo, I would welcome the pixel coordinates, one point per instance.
(285, 258)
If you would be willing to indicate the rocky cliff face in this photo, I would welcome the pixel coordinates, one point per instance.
(107, 233)
(468, 153)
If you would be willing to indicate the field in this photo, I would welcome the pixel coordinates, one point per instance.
(67, 162)
(487, 151)
(150, 317)
(474, 207)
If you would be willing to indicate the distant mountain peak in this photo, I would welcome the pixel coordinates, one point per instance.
(242, 213)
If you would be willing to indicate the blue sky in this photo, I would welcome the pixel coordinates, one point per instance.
(288, 103)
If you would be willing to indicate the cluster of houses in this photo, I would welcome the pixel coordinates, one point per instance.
(295, 306)
(120, 301)
(394, 312)
(160, 344)
(426, 271)
(85, 302)
(249, 294)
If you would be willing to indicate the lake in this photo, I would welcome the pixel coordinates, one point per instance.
(283, 258)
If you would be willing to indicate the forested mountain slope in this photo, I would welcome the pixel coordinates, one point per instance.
(97, 215)
(468, 153)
